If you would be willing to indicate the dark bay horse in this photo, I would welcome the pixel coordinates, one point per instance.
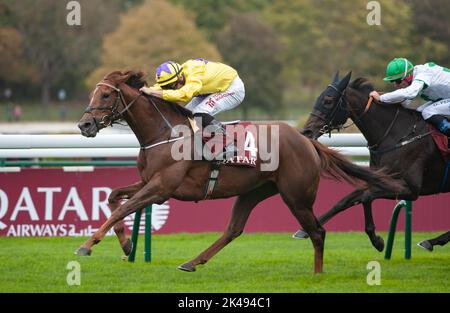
(301, 162)
(438, 241)
(398, 139)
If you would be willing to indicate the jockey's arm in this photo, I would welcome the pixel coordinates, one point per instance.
(156, 91)
(191, 88)
(400, 95)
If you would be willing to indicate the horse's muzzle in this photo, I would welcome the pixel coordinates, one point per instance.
(308, 133)
(88, 128)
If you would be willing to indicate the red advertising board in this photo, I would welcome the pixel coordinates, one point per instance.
(55, 202)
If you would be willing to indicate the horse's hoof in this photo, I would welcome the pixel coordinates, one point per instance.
(300, 234)
(426, 245)
(379, 244)
(82, 251)
(187, 267)
(127, 247)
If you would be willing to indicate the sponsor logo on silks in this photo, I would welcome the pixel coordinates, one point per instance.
(160, 214)
(211, 102)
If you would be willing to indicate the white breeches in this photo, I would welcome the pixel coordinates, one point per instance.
(219, 102)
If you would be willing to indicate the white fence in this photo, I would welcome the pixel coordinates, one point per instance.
(124, 145)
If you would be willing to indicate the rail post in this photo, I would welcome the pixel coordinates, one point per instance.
(393, 225)
(147, 235)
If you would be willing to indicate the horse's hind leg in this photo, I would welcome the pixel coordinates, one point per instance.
(241, 210)
(440, 240)
(114, 200)
(306, 218)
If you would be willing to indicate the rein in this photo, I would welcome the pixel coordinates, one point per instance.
(374, 148)
(388, 130)
(173, 133)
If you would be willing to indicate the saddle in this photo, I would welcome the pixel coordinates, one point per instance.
(244, 136)
(441, 141)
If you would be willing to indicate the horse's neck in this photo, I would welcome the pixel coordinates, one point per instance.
(147, 123)
(381, 119)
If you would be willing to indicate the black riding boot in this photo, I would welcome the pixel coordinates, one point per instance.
(217, 128)
(441, 123)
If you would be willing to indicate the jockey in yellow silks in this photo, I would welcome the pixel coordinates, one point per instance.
(206, 88)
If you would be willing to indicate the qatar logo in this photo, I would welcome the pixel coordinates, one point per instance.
(160, 213)
(3, 208)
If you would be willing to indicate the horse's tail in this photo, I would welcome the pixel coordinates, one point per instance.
(338, 167)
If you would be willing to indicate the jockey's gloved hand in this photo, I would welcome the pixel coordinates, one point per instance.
(148, 90)
(374, 94)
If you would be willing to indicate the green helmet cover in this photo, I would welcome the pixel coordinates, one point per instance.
(398, 68)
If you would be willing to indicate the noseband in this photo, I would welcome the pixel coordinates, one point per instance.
(109, 119)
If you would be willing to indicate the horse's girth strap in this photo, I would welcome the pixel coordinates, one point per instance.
(212, 180)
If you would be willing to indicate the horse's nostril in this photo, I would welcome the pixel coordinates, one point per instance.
(307, 132)
(84, 125)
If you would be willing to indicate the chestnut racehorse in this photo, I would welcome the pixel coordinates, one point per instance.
(296, 179)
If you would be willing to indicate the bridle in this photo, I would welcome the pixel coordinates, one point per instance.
(109, 119)
(340, 107)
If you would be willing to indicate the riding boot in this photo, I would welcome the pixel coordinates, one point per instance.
(230, 149)
(217, 128)
(441, 123)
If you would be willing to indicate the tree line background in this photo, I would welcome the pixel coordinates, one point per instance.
(286, 51)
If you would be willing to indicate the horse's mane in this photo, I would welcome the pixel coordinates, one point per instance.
(136, 79)
(362, 85)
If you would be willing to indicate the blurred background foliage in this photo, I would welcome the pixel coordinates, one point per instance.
(286, 51)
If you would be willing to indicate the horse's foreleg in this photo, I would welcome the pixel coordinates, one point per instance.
(376, 240)
(157, 190)
(114, 201)
(367, 200)
(241, 210)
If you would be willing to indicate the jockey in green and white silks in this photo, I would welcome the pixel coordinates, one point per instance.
(429, 81)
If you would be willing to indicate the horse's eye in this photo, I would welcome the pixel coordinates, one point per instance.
(328, 100)
(105, 96)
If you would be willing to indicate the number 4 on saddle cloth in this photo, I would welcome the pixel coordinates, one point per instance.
(242, 134)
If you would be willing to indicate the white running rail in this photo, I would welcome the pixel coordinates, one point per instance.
(124, 145)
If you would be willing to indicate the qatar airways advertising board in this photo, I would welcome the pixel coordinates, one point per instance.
(57, 202)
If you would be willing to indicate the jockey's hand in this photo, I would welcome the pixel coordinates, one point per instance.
(374, 94)
(147, 90)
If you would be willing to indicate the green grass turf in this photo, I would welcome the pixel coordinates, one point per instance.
(252, 263)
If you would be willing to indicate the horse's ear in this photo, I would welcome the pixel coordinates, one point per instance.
(336, 78)
(344, 82)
